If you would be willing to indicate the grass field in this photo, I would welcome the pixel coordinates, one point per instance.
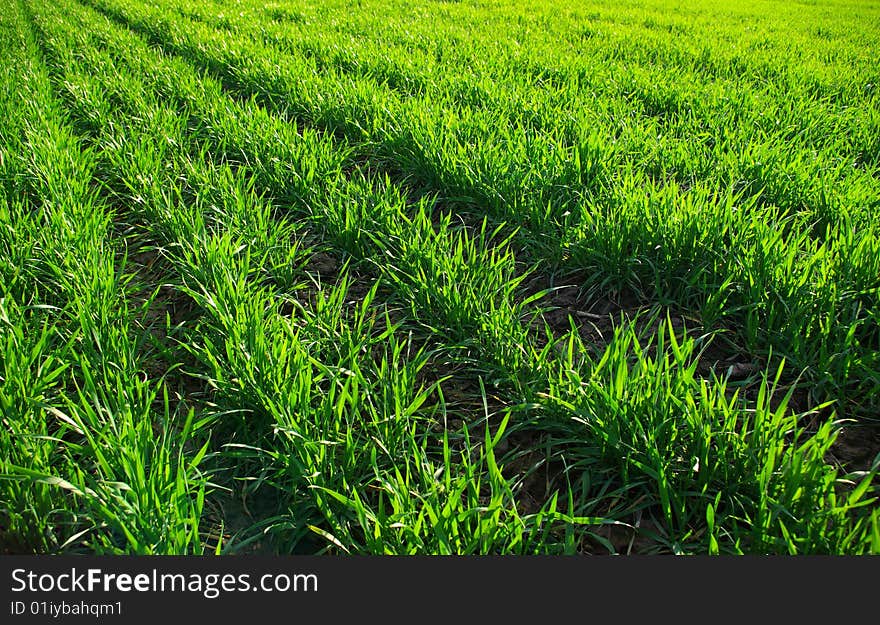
(386, 277)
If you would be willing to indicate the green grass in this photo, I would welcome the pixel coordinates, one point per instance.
(376, 278)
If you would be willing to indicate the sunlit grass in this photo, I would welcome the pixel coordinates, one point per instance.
(274, 258)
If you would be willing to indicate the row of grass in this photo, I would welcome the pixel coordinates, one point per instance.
(91, 446)
(318, 399)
